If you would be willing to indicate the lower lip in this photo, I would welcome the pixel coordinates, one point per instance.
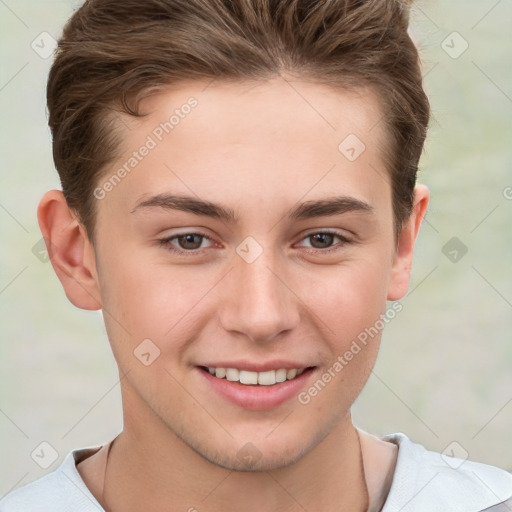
(257, 397)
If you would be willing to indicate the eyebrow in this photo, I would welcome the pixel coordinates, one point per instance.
(306, 210)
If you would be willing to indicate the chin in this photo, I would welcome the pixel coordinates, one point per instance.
(253, 453)
(251, 459)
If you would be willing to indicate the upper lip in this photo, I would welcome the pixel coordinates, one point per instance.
(253, 366)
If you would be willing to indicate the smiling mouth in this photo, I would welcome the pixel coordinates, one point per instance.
(267, 378)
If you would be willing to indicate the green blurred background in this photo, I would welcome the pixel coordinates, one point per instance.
(444, 372)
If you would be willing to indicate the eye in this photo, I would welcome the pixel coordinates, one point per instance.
(187, 242)
(322, 240)
(191, 243)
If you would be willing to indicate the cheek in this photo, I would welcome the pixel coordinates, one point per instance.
(154, 301)
(348, 305)
(149, 294)
(348, 298)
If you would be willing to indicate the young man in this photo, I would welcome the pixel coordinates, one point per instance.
(240, 200)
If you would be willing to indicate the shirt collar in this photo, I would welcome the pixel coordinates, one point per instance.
(426, 481)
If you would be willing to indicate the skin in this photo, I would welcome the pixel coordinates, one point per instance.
(258, 148)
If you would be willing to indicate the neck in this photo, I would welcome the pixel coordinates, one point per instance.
(159, 465)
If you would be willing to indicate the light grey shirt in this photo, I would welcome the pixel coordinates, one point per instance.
(424, 481)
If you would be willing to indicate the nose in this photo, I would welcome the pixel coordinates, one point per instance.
(259, 301)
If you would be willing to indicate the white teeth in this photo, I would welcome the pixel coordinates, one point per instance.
(232, 374)
(290, 374)
(268, 378)
(247, 377)
(281, 375)
(220, 372)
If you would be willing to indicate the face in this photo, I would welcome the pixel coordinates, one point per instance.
(279, 259)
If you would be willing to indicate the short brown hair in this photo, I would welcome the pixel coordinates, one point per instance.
(113, 51)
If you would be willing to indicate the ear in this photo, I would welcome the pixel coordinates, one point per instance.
(402, 262)
(69, 250)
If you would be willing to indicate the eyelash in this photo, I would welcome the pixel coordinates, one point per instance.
(166, 242)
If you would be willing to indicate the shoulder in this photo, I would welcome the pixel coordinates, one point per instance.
(427, 481)
(62, 490)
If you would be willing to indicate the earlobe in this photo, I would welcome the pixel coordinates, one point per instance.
(69, 250)
(402, 263)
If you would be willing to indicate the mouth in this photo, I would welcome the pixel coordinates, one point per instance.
(253, 378)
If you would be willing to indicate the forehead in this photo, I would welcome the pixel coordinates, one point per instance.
(260, 139)
(263, 109)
